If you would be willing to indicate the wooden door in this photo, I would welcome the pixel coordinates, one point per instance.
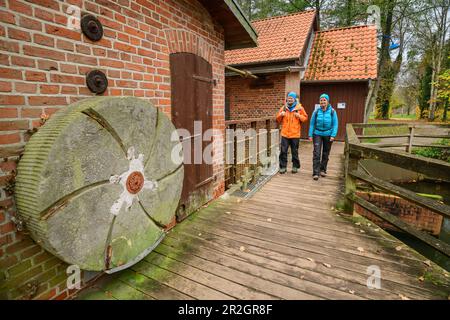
(353, 94)
(191, 91)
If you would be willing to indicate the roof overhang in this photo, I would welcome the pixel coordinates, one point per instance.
(239, 32)
(288, 61)
(335, 81)
(269, 67)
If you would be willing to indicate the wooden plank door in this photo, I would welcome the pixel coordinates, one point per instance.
(353, 94)
(191, 91)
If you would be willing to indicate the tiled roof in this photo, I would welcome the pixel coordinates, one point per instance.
(344, 54)
(279, 38)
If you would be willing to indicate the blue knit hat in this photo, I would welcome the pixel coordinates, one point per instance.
(324, 95)
(292, 95)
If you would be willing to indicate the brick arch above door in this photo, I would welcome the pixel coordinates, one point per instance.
(179, 40)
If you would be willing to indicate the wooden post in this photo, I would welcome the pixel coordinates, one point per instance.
(351, 164)
(253, 167)
(233, 170)
(410, 139)
(269, 141)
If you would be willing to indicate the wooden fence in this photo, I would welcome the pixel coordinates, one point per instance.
(243, 163)
(356, 150)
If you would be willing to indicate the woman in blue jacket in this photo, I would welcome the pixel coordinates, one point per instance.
(322, 131)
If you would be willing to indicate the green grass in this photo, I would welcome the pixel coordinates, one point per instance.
(404, 117)
(435, 153)
(383, 131)
(397, 117)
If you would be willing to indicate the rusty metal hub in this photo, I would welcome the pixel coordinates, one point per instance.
(135, 182)
(91, 27)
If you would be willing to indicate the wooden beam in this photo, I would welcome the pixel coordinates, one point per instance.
(362, 137)
(400, 124)
(351, 134)
(395, 221)
(244, 73)
(435, 169)
(431, 146)
(435, 136)
(427, 203)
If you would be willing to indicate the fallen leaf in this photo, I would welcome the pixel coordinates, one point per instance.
(403, 297)
(332, 208)
(247, 190)
(362, 231)
(228, 212)
(351, 291)
(199, 234)
(421, 279)
(376, 230)
(310, 259)
(399, 248)
(360, 249)
(369, 224)
(358, 223)
(242, 248)
(302, 277)
(327, 265)
(427, 262)
(269, 219)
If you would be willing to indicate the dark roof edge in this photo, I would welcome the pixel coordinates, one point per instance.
(260, 63)
(237, 11)
(335, 81)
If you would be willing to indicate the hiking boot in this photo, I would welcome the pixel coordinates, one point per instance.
(323, 174)
(283, 170)
(294, 170)
(316, 177)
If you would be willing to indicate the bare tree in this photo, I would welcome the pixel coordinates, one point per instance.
(432, 28)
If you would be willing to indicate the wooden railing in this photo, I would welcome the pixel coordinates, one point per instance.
(355, 151)
(411, 135)
(243, 170)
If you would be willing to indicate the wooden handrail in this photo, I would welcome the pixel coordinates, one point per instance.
(437, 244)
(436, 169)
(355, 151)
(400, 124)
(430, 204)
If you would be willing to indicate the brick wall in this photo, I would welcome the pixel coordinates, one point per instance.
(416, 216)
(42, 68)
(248, 102)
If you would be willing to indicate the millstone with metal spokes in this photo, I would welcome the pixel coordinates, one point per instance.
(97, 185)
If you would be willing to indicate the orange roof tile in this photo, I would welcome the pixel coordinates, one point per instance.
(279, 38)
(343, 54)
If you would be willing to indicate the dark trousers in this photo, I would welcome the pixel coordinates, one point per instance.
(285, 144)
(322, 148)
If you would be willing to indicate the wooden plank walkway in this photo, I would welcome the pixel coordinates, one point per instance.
(286, 242)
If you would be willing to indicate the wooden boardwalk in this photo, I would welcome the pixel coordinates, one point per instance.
(286, 242)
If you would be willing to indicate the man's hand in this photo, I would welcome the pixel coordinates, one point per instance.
(282, 113)
(310, 139)
(297, 115)
(332, 139)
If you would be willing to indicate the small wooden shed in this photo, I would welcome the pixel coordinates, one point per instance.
(342, 63)
(293, 55)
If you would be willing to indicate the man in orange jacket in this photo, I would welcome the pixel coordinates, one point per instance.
(290, 117)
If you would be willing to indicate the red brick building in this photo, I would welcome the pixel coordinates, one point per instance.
(293, 55)
(43, 67)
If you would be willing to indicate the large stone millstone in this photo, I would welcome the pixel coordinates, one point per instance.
(96, 185)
